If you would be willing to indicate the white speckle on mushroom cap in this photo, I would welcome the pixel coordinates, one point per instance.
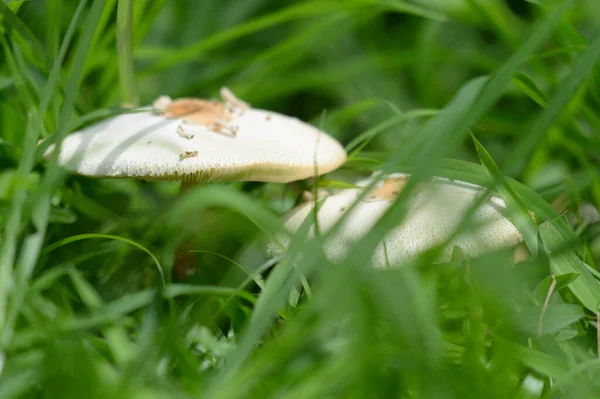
(185, 133)
(161, 103)
(148, 146)
(435, 211)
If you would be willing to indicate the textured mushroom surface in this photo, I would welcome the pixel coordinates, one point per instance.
(435, 212)
(200, 140)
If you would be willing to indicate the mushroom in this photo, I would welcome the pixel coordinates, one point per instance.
(435, 212)
(196, 140)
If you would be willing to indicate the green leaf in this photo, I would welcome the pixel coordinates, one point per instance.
(586, 288)
(562, 281)
(543, 363)
(556, 317)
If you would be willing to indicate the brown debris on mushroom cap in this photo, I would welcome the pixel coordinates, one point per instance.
(220, 127)
(231, 100)
(388, 190)
(197, 111)
(188, 154)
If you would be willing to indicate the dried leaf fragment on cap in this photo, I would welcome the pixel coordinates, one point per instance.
(183, 132)
(231, 101)
(388, 189)
(197, 111)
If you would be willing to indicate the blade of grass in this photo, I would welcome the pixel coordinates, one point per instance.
(80, 237)
(19, 81)
(360, 141)
(8, 250)
(203, 197)
(497, 15)
(101, 32)
(277, 288)
(170, 58)
(12, 21)
(11, 229)
(129, 95)
(41, 210)
(119, 344)
(298, 11)
(53, 29)
(556, 52)
(115, 310)
(252, 277)
(146, 19)
(530, 89)
(30, 79)
(581, 70)
(411, 8)
(257, 278)
(518, 210)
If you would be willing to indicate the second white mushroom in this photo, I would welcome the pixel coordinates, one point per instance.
(435, 212)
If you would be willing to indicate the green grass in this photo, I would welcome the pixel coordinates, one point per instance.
(504, 94)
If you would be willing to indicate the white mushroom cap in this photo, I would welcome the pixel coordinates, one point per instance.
(199, 140)
(435, 212)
